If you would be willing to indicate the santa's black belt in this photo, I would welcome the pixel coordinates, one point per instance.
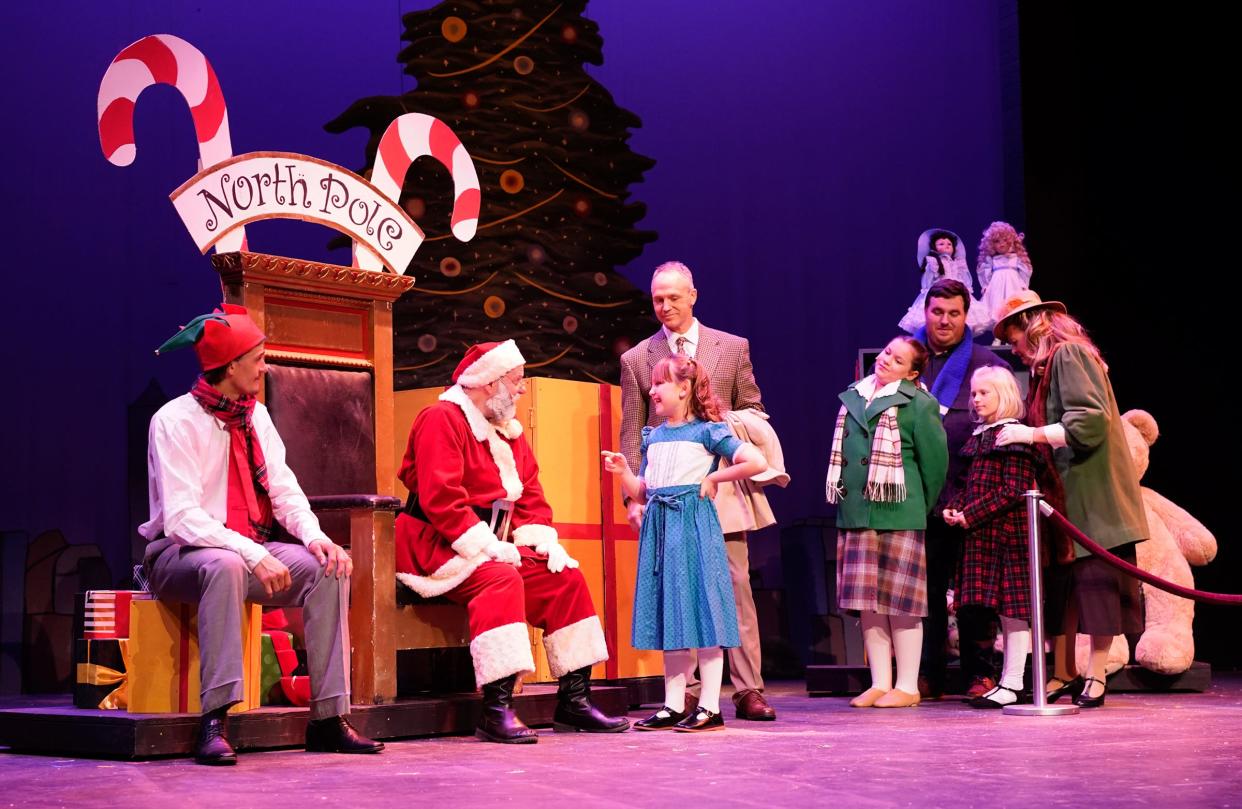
(413, 509)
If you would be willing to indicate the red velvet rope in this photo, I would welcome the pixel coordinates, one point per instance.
(1138, 573)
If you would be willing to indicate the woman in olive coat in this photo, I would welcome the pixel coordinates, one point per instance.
(1074, 411)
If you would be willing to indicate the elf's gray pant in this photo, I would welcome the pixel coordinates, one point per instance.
(218, 581)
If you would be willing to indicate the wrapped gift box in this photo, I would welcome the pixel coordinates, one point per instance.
(101, 679)
(279, 684)
(163, 646)
(105, 613)
(269, 677)
(101, 648)
(567, 424)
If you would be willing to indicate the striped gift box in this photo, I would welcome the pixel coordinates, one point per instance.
(106, 613)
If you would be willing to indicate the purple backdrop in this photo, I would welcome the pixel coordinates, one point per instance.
(800, 152)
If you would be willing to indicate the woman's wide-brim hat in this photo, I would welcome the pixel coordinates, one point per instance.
(1021, 302)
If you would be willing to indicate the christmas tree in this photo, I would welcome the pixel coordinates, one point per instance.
(550, 147)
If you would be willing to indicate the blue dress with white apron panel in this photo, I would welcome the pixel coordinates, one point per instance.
(683, 598)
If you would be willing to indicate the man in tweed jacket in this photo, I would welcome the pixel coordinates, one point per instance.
(726, 358)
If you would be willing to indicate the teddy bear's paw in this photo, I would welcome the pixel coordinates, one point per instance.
(1164, 651)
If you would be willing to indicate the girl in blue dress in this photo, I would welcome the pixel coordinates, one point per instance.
(683, 597)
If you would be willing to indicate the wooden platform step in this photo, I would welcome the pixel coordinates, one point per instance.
(62, 729)
(640, 690)
(1136, 678)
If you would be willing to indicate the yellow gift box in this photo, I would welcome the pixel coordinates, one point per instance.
(163, 657)
(567, 424)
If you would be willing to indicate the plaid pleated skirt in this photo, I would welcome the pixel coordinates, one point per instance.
(882, 571)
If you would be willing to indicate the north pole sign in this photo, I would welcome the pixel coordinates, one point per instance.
(229, 192)
(280, 185)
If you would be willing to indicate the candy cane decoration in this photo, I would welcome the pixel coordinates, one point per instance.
(165, 59)
(408, 138)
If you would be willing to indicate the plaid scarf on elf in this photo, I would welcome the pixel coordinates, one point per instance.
(249, 507)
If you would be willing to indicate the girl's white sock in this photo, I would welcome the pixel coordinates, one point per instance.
(879, 645)
(908, 646)
(678, 665)
(1017, 647)
(711, 672)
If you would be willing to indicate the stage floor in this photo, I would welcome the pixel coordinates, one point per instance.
(1166, 750)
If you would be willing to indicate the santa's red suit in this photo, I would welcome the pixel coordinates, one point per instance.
(456, 465)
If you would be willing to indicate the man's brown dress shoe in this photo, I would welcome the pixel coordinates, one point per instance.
(751, 705)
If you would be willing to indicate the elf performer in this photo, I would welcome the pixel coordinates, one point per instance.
(220, 490)
(474, 485)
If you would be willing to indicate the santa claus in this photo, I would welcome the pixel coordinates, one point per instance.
(474, 486)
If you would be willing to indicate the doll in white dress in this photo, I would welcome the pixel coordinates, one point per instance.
(1004, 268)
(941, 255)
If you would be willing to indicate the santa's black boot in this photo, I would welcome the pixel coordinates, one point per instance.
(574, 711)
(499, 723)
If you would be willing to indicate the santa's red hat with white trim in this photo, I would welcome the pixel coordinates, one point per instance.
(484, 363)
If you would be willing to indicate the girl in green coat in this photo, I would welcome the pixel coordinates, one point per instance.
(888, 463)
(1075, 413)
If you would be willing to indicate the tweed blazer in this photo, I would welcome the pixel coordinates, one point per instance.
(725, 357)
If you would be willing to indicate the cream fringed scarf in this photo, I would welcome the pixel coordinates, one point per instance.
(886, 477)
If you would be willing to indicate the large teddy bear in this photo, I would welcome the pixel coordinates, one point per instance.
(1177, 541)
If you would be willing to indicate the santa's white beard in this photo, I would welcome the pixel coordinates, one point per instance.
(501, 408)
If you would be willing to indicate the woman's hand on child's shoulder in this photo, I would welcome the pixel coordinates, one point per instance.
(1015, 434)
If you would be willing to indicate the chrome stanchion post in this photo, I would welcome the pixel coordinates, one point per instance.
(1038, 672)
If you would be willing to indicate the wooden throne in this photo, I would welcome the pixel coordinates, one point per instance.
(329, 390)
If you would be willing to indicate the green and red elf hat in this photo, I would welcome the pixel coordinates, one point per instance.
(218, 338)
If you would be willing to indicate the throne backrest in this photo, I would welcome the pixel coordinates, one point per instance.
(326, 417)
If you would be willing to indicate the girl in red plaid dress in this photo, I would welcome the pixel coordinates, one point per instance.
(995, 571)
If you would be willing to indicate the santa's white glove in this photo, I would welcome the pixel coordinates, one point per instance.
(1015, 434)
(558, 557)
(505, 552)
